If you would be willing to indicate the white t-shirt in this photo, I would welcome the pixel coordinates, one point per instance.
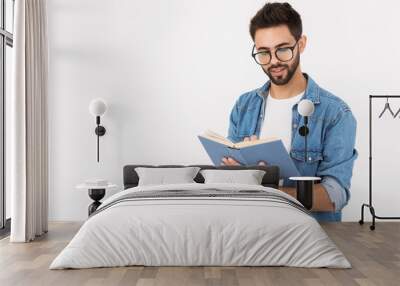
(278, 119)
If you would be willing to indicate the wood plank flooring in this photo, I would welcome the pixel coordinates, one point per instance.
(374, 255)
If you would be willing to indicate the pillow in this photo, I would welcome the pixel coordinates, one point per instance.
(164, 176)
(249, 177)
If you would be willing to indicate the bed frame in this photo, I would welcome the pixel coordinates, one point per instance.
(270, 179)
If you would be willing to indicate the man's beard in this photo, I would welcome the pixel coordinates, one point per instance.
(282, 80)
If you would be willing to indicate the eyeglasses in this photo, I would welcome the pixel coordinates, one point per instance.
(264, 57)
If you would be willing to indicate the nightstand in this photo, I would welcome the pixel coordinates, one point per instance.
(96, 193)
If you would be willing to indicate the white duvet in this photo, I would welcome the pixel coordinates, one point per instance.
(200, 231)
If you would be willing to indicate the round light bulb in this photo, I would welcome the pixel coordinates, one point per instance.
(305, 107)
(97, 107)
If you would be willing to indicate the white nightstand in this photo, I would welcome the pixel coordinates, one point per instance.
(96, 193)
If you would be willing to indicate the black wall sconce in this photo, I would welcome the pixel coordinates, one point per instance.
(97, 108)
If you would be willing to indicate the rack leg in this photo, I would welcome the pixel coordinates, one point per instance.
(372, 210)
(361, 221)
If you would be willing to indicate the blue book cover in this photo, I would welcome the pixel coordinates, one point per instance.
(272, 152)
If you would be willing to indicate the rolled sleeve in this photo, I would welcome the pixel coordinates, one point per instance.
(337, 194)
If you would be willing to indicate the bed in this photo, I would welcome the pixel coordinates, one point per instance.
(201, 224)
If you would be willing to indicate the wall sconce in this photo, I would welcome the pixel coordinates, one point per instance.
(97, 108)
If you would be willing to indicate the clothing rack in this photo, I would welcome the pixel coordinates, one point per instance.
(369, 205)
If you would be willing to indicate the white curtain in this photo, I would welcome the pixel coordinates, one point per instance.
(28, 121)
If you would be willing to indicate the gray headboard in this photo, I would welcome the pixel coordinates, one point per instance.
(270, 179)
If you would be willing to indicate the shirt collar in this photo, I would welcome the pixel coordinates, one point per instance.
(311, 92)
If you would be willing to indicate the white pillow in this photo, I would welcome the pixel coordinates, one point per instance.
(165, 176)
(249, 177)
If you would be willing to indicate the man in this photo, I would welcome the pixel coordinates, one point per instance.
(271, 111)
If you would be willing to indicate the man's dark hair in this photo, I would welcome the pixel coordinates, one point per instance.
(276, 14)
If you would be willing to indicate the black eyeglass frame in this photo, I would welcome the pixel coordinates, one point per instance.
(253, 54)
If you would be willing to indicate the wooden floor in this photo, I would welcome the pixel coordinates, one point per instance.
(375, 257)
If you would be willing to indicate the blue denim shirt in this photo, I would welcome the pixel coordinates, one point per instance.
(330, 143)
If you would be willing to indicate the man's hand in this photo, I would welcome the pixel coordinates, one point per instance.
(229, 161)
(251, 138)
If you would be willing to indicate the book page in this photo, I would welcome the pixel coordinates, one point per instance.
(221, 139)
(244, 144)
(217, 138)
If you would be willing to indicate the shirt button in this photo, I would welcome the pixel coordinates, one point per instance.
(309, 158)
(294, 125)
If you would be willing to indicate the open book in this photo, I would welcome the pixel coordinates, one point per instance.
(270, 150)
(211, 135)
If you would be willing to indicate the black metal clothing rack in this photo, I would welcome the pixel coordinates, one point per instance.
(369, 205)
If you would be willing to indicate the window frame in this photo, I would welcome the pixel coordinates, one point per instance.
(6, 39)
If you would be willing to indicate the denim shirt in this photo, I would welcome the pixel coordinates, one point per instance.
(330, 142)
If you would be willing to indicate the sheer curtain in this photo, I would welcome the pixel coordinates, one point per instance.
(28, 121)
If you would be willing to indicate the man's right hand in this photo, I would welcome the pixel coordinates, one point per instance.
(229, 161)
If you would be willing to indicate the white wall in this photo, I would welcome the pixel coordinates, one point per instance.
(171, 69)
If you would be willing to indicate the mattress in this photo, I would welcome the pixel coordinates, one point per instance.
(201, 225)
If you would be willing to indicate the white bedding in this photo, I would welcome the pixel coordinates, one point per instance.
(200, 231)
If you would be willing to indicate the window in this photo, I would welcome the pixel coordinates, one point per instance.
(6, 61)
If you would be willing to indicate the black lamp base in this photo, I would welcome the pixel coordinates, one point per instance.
(304, 189)
(96, 195)
(305, 193)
